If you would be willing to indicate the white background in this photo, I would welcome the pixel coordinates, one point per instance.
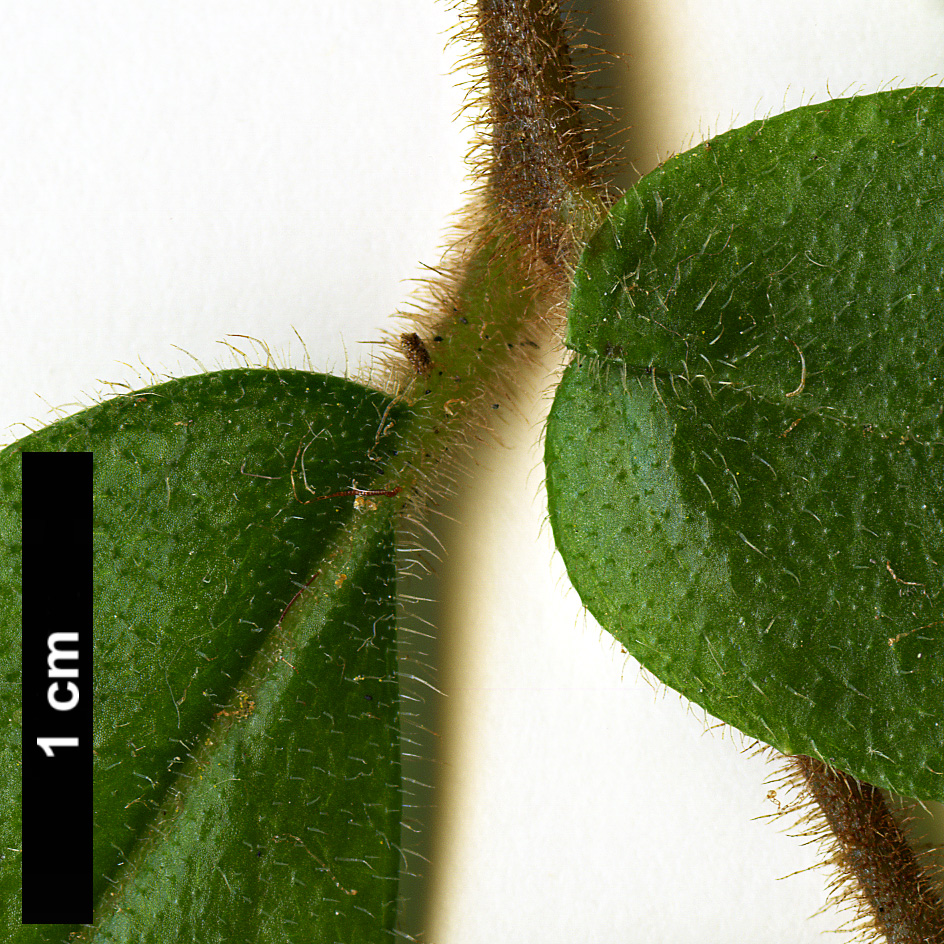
(174, 172)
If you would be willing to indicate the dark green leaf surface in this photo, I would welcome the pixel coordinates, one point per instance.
(247, 764)
(746, 461)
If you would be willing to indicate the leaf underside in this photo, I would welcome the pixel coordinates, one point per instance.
(745, 461)
(246, 763)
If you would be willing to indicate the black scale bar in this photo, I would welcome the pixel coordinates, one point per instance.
(57, 688)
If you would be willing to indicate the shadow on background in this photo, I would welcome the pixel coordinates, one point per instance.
(433, 638)
(628, 70)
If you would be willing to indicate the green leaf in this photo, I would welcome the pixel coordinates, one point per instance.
(745, 463)
(246, 734)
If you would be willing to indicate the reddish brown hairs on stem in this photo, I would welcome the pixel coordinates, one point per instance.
(539, 188)
(544, 155)
(877, 871)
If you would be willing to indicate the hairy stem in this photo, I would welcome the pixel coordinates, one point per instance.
(540, 154)
(506, 279)
(871, 851)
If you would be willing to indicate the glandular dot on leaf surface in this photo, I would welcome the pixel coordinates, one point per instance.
(745, 459)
